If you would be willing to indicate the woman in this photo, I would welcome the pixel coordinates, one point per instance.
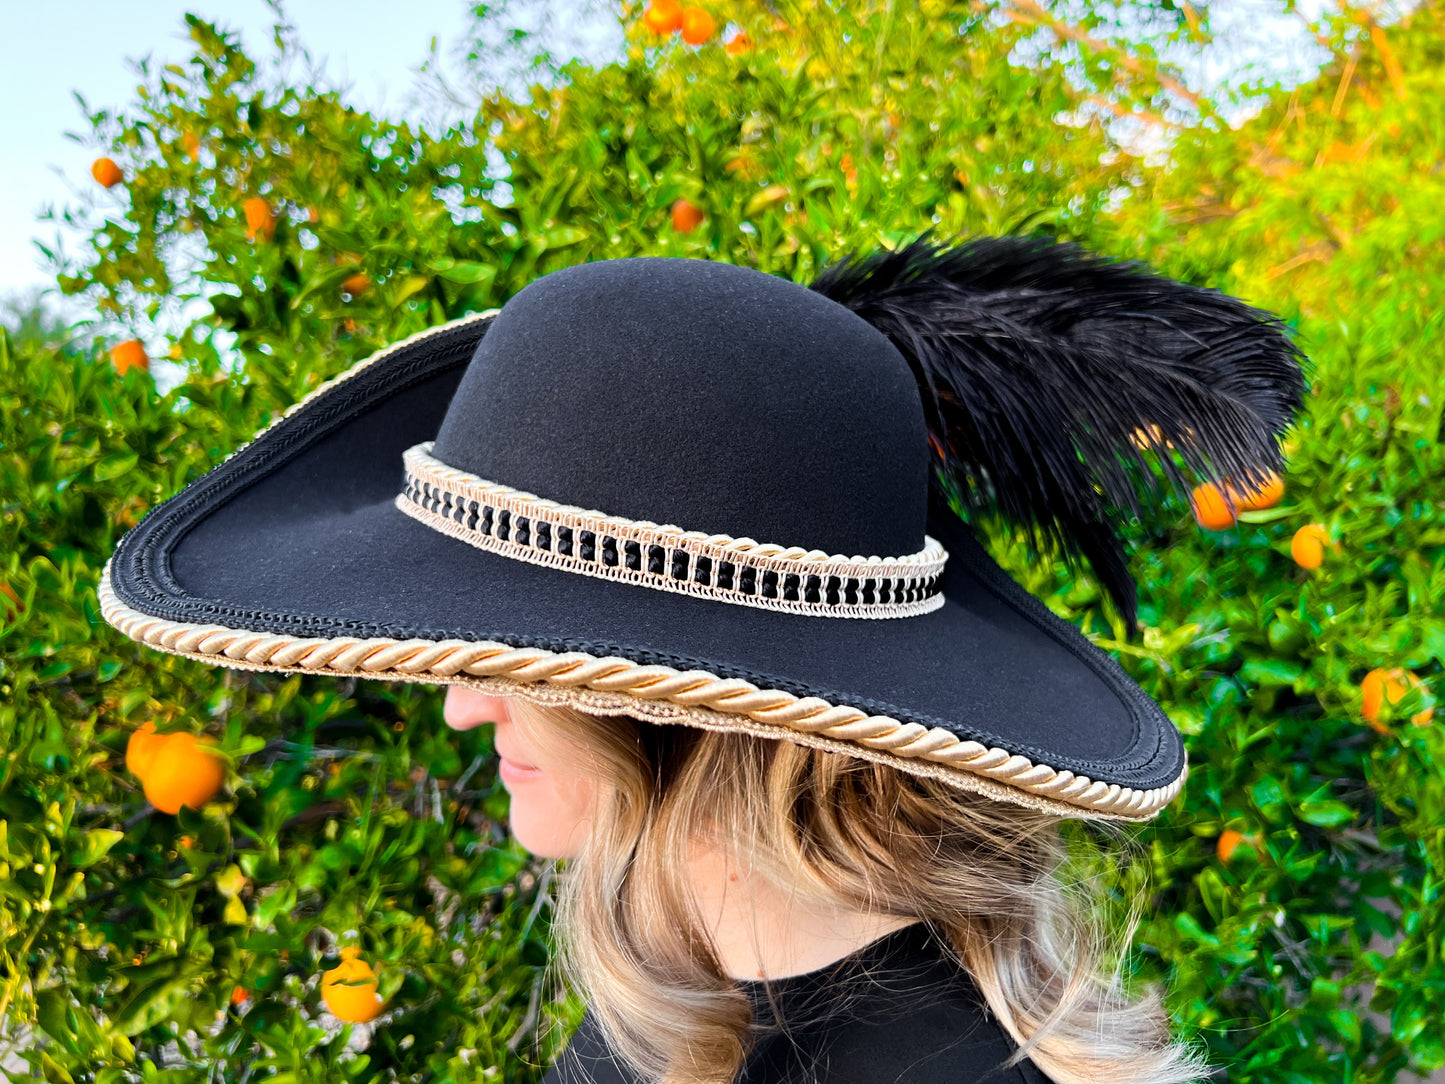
(810, 789)
(827, 882)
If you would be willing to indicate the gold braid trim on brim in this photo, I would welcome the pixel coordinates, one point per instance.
(660, 694)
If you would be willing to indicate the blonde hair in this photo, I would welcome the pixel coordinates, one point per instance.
(854, 834)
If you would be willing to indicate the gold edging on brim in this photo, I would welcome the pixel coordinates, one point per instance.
(661, 694)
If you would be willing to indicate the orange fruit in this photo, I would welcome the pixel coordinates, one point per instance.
(738, 44)
(260, 219)
(1141, 438)
(356, 284)
(192, 144)
(129, 355)
(239, 995)
(1210, 509)
(1307, 547)
(1229, 841)
(182, 771)
(686, 215)
(106, 172)
(1381, 684)
(349, 989)
(140, 748)
(739, 165)
(663, 16)
(1267, 496)
(697, 26)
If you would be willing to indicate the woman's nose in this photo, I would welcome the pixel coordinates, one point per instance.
(466, 708)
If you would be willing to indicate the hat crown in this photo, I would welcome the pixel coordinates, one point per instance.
(709, 396)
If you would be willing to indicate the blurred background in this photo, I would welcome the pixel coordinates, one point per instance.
(210, 211)
(421, 64)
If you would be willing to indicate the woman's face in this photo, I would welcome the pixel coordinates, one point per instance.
(552, 797)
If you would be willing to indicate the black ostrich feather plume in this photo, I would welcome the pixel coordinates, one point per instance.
(1041, 363)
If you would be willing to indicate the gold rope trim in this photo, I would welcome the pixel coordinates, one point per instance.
(656, 693)
(433, 488)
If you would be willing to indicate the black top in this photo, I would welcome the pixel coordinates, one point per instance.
(897, 1011)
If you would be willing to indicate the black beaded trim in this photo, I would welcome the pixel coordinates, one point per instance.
(668, 567)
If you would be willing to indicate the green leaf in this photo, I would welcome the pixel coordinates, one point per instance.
(53, 1015)
(1268, 796)
(234, 912)
(115, 466)
(1347, 1024)
(467, 272)
(1214, 892)
(95, 845)
(766, 199)
(1429, 1051)
(1269, 672)
(248, 744)
(230, 880)
(50, 755)
(563, 237)
(1409, 1017)
(1324, 994)
(278, 902)
(408, 287)
(1286, 636)
(122, 1048)
(151, 1003)
(1189, 926)
(1326, 814)
(1267, 515)
(53, 1071)
(1432, 635)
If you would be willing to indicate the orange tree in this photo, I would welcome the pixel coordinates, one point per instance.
(265, 237)
(1324, 206)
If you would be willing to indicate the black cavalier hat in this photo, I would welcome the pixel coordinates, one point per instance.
(693, 492)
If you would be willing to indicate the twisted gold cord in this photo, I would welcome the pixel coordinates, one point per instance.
(621, 686)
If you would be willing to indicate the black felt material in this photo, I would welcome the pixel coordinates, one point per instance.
(298, 533)
(898, 1011)
(700, 394)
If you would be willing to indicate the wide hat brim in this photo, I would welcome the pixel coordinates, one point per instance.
(292, 555)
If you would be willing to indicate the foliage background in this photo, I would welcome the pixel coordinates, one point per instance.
(353, 817)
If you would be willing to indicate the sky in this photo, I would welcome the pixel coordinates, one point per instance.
(57, 47)
(369, 48)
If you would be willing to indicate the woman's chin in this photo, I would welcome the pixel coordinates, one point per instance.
(550, 806)
(539, 840)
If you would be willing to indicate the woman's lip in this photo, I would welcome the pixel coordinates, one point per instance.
(516, 773)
